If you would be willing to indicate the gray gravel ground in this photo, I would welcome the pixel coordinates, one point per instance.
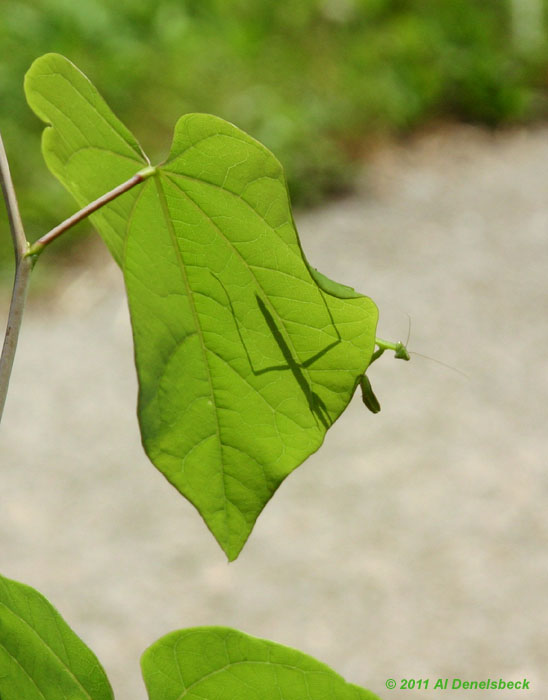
(413, 545)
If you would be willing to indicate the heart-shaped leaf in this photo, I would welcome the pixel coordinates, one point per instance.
(40, 656)
(245, 355)
(214, 663)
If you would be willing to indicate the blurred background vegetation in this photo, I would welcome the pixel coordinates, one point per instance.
(318, 81)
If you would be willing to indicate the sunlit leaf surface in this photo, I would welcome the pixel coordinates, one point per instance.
(245, 355)
(217, 663)
(40, 656)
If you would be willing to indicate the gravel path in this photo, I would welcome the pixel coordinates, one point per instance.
(413, 545)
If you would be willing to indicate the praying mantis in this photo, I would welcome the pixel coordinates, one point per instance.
(400, 353)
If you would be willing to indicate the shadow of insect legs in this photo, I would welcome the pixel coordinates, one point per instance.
(315, 403)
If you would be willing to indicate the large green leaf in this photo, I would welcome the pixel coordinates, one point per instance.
(218, 663)
(40, 656)
(245, 355)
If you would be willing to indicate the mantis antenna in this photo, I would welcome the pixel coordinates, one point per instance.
(439, 362)
(426, 357)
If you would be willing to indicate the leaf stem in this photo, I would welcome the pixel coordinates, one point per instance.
(36, 248)
(23, 266)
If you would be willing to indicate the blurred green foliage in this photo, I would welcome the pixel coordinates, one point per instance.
(315, 80)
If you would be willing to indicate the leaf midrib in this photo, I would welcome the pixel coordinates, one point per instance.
(48, 647)
(247, 662)
(197, 324)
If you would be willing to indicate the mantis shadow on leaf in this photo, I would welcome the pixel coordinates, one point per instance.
(315, 403)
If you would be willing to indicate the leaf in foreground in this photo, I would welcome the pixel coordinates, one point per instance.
(41, 658)
(218, 663)
(245, 355)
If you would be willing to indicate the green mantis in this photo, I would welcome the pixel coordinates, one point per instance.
(400, 353)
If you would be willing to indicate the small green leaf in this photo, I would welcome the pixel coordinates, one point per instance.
(245, 355)
(218, 663)
(40, 656)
